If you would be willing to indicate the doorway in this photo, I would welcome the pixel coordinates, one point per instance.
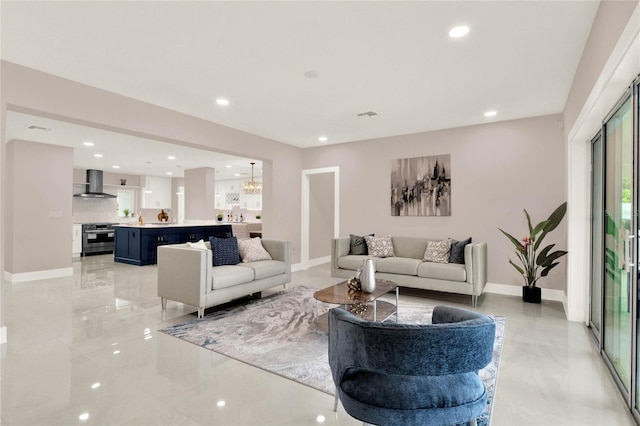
(314, 185)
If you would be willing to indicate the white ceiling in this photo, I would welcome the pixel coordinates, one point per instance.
(391, 57)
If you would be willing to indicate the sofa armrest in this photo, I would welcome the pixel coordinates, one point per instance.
(339, 247)
(279, 250)
(475, 258)
(184, 273)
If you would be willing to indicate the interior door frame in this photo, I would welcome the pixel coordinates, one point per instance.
(304, 232)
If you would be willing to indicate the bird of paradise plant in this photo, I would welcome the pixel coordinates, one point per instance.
(536, 265)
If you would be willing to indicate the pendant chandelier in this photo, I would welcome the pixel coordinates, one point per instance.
(252, 187)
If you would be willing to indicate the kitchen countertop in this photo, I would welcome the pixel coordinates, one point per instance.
(173, 225)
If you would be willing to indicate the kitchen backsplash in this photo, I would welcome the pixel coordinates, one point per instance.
(95, 210)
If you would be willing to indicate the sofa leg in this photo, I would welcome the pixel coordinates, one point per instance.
(164, 303)
(335, 402)
(200, 313)
(474, 301)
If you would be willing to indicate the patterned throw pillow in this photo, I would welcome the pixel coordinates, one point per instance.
(437, 251)
(379, 246)
(456, 255)
(252, 250)
(225, 251)
(357, 244)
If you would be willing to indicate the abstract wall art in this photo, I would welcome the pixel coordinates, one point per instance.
(421, 186)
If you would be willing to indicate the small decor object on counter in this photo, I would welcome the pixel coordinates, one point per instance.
(163, 216)
(126, 212)
(123, 182)
(140, 221)
(220, 217)
(258, 217)
(533, 264)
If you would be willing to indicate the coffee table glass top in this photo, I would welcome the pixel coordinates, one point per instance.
(341, 294)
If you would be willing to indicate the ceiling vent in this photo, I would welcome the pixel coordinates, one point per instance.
(35, 127)
(368, 114)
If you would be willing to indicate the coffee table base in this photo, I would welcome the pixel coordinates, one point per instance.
(384, 311)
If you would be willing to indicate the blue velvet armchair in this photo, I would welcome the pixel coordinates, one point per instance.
(400, 374)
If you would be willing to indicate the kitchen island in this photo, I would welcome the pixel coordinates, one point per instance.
(137, 244)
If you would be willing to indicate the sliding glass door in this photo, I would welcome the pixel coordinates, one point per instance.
(618, 235)
(597, 199)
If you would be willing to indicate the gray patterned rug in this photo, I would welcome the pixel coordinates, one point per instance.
(279, 334)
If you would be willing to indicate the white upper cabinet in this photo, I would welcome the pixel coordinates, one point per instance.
(156, 192)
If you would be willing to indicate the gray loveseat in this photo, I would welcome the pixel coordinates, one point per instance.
(187, 275)
(407, 269)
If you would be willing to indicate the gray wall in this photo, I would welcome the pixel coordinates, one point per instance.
(38, 220)
(321, 208)
(497, 170)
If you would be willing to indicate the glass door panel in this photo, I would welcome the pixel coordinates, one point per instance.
(595, 318)
(618, 187)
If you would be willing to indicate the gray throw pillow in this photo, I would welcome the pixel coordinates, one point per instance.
(358, 245)
(457, 250)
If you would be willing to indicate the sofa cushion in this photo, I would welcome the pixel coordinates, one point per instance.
(437, 251)
(266, 268)
(251, 250)
(353, 262)
(230, 275)
(357, 244)
(443, 271)
(398, 265)
(379, 246)
(225, 251)
(456, 255)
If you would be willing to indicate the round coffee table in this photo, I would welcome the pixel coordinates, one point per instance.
(359, 301)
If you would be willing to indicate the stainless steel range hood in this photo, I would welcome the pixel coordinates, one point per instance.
(94, 186)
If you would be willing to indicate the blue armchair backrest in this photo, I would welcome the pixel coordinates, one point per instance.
(457, 341)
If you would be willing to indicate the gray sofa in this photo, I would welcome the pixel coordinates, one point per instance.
(407, 269)
(187, 275)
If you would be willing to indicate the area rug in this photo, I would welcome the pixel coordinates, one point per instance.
(279, 334)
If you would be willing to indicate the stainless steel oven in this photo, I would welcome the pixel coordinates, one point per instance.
(97, 238)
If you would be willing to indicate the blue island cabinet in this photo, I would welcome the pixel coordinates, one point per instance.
(138, 245)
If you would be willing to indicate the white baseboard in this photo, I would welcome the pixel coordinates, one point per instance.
(3, 334)
(313, 262)
(514, 290)
(38, 275)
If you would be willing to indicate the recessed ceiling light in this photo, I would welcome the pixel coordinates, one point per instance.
(323, 138)
(222, 101)
(459, 31)
(84, 416)
(95, 385)
(169, 173)
(237, 175)
(115, 167)
(490, 113)
(87, 143)
(228, 166)
(171, 157)
(97, 155)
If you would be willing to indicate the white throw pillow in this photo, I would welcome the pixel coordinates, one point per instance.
(379, 246)
(437, 251)
(199, 245)
(252, 250)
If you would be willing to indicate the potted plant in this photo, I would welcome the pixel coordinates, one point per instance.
(219, 217)
(536, 263)
(126, 212)
(258, 217)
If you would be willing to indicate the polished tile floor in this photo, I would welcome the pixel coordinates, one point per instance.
(85, 350)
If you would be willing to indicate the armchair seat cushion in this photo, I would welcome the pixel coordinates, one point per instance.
(266, 268)
(443, 271)
(413, 392)
(229, 275)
